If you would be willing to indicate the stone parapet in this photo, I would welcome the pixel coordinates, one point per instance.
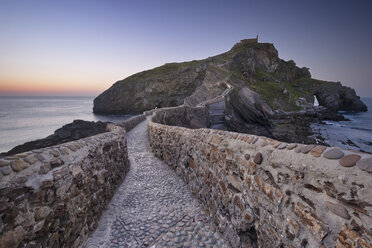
(282, 195)
(132, 122)
(184, 116)
(53, 197)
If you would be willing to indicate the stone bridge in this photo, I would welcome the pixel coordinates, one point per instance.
(166, 180)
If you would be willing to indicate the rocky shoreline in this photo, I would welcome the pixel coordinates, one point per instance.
(73, 131)
(247, 113)
(335, 135)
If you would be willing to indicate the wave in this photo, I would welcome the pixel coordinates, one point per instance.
(361, 128)
(348, 126)
(333, 124)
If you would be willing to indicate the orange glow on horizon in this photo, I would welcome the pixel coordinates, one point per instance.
(15, 87)
(51, 81)
(45, 88)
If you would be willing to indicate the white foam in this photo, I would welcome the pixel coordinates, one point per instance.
(316, 103)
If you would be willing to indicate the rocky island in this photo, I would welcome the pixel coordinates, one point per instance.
(269, 96)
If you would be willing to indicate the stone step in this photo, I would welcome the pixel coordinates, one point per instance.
(217, 114)
(221, 120)
(216, 109)
(218, 118)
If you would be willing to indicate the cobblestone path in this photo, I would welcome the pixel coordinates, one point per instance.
(153, 207)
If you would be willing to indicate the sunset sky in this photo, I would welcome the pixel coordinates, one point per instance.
(83, 47)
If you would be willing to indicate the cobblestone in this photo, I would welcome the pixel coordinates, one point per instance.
(153, 207)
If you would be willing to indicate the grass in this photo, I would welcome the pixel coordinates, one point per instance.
(267, 85)
(271, 91)
(155, 154)
(236, 49)
(165, 69)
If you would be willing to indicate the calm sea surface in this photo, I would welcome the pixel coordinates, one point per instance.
(28, 118)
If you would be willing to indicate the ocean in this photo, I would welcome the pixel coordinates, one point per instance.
(28, 118)
(355, 134)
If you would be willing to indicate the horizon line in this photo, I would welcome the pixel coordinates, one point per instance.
(72, 95)
(62, 93)
(48, 95)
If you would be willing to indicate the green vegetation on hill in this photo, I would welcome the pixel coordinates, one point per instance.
(168, 68)
(280, 84)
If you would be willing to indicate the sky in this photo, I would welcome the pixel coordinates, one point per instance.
(83, 47)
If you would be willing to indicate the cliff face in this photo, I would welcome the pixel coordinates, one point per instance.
(163, 86)
(279, 84)
(337, 97)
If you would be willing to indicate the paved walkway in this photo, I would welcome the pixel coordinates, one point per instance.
(153, 207)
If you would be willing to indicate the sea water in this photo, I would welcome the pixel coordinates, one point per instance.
(355, 134)
(28, 118)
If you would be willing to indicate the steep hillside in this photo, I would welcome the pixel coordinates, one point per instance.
(270, 96)
(281, 84)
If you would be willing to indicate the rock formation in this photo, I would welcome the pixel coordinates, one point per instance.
(280, 83)
(73, 131)
(269, 93)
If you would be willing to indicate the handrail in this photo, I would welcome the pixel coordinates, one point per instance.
(217, 98)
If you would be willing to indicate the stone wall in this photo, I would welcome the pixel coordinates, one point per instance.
(54, 196)
(274, 194)
(183, 116)
(132, 122)
(250, 41)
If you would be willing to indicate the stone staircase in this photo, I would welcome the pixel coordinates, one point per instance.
(216, 107)
(217, 114)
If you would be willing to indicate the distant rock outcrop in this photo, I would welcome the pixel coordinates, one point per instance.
(336, 97)
(73, 131)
